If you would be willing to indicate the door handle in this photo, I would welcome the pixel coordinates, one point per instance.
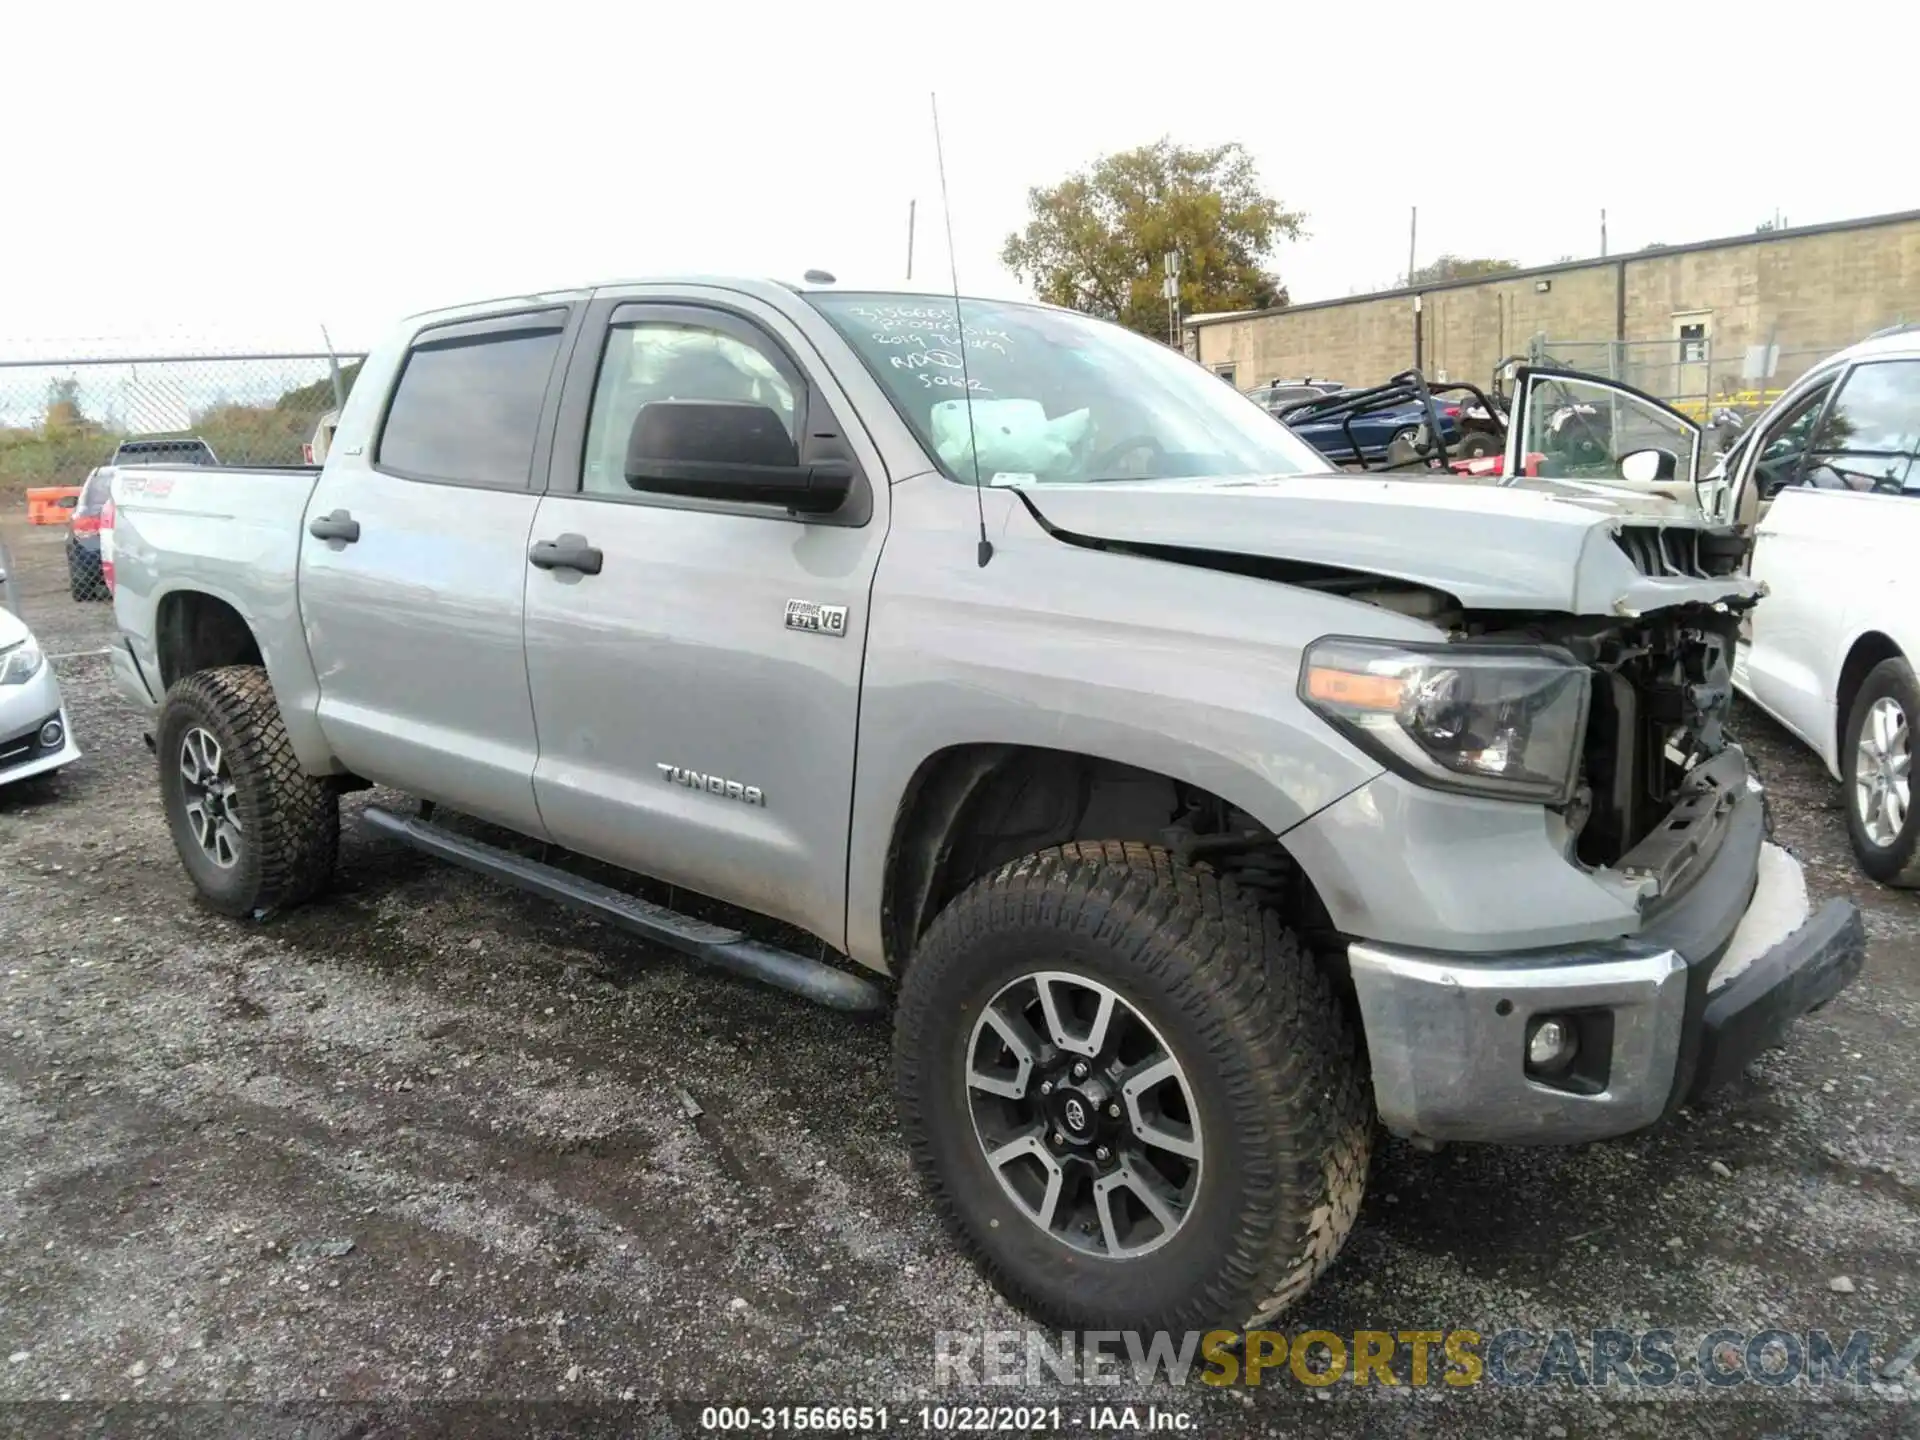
(337, 526)
(569, 552)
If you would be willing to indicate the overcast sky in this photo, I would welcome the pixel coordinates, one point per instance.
(247, 172)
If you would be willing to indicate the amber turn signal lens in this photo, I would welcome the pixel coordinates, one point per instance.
(1355, 689)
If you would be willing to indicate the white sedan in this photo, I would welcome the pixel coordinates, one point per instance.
(1830, 474)
(35, 736)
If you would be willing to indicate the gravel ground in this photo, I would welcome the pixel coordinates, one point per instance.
(487, 1098)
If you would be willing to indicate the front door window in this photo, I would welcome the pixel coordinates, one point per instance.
(1867, 437)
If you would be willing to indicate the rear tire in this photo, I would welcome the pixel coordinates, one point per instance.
(1477, 443)
(1875, 763)
(1269, 1094)
(255, 831)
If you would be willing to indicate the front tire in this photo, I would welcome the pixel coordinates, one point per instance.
(1876, 764)
(1228, 1123)
(255, 831)
(1403, 446)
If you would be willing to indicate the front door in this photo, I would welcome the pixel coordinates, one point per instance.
(413, 569)
(696, 682)
(1693, 356)
(1570, 426)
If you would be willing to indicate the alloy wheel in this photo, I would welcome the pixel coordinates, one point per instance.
(212, 799)
(1881, 764)
(1084, 1114)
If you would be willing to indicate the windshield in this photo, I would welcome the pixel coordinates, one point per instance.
(1056, 397)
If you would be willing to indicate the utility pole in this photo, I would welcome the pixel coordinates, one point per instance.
(1413, 234)
(1170, 287)
(910, 209)
(1603, 234)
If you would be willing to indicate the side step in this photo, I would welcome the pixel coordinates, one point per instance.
(716, 944)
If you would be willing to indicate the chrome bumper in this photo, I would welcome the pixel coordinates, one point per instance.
(1661, 1016)
(1448, 1037)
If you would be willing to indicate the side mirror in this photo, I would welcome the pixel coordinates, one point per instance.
(1643, 467)
(729, 450)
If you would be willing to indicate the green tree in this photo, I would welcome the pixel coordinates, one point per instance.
(1456, 267)
(317, 397)
(63, 406)
(1098, 240)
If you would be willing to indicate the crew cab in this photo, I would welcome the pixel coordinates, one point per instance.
(1195, 810)
(1830, 475)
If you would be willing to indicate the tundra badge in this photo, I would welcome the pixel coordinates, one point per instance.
(819, 619)
(712, 784)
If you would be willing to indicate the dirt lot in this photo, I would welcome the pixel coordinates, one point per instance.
(484, 1095)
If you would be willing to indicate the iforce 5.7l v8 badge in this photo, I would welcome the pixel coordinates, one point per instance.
(818, 619)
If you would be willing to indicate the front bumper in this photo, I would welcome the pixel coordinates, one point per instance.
(1661, 1016)
(25, 713)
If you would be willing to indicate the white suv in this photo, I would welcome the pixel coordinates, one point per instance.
(1831, 477)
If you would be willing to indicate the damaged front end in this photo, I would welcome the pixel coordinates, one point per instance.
(1650, 801)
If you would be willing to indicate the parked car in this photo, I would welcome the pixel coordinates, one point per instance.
(1202, 819)
(1830, 474)
(1373, 435)
(85, 579)
(164, 450)
(35, 734)
(1278, 394)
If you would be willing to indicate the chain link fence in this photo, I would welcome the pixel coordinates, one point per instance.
(61, 418)
(1696, 377)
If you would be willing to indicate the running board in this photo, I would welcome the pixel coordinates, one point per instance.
(716, 944)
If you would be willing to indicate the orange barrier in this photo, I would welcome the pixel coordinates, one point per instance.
(50, 506)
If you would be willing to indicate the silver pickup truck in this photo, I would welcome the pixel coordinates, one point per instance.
(1197, 811)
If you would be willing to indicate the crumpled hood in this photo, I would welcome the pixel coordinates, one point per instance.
(1543, 545)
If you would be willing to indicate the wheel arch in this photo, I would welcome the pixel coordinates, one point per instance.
(197, 627)
(196, 630)
(1868, 650)
(970, 808)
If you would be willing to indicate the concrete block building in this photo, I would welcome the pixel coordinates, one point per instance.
(1697, 321)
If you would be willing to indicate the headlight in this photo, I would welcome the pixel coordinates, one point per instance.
(1505, 721)
(21, 663)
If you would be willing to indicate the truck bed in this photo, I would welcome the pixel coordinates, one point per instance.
(227, 534)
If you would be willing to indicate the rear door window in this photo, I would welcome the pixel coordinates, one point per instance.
(467, 407)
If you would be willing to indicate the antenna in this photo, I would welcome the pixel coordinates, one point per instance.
(333, 372)
(966, 380)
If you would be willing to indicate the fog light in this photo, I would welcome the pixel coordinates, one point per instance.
(52, 733)
(1551, 1045)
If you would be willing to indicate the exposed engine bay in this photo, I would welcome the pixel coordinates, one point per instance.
(1661, 690)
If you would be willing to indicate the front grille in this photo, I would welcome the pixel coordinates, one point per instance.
(1661, 550)
(25, 747)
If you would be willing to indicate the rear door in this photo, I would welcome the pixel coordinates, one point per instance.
(698, 694)
(413, 568)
